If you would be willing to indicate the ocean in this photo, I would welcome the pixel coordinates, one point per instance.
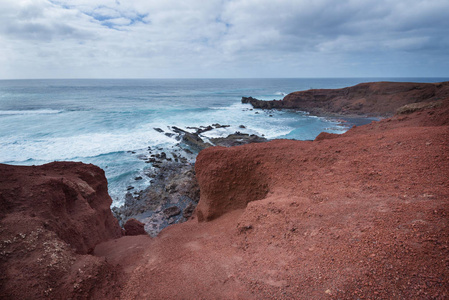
(110, 123)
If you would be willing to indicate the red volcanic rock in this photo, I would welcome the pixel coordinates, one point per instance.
(134, 227)
(373, 98)
(361, 215)
(51, 216)
(326, 135)
(228, 184)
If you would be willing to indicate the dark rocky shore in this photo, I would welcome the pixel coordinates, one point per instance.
(174, 191)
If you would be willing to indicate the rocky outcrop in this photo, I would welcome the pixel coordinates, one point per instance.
(229, 178)
(370, 99)
(51, 217)
(174, 188)
(174, 192)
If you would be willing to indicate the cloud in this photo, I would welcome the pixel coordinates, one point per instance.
(223, 38)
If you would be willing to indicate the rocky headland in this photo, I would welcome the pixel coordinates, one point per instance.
(365, 99)
(358, 215)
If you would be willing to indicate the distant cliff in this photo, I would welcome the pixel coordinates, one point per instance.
(370, 99)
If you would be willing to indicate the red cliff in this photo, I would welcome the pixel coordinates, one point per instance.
(51, 217)
(371, 99)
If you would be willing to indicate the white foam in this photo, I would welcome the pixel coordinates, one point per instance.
(17, 149)
(30, 112)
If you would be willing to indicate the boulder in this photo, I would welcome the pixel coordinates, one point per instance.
(134, 227)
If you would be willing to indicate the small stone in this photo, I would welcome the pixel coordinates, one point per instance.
(172, 211)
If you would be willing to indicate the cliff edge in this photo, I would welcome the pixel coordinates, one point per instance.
(51, 219)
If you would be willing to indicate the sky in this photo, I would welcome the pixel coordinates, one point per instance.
(223, 38)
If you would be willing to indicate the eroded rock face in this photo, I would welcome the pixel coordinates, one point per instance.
(372, 99)
(229, 179)
(51, 216)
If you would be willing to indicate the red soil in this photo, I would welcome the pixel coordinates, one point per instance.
(362, 215)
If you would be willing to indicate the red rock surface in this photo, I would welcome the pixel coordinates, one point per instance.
(134, 227)
(362, 215)
(372, 98)
(51, 216)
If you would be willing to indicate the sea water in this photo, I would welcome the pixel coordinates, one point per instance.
(110, 123)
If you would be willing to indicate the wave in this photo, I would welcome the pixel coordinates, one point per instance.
(30, 112)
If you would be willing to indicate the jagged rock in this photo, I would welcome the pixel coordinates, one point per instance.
(172, 211)
(237, 139)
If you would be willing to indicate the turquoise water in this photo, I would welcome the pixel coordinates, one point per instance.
(110, 122)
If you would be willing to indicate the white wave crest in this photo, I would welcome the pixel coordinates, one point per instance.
(30, 112)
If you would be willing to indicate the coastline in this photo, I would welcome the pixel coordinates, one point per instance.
(362, 214)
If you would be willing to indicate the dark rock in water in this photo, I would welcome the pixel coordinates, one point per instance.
(242, 126)
(208, 128)
(172, 211)
(130, 188)
(138, 178)
(237, 139)
(220, 126)
(256, 103)
(169, 134)
(193, 140)
(134, 227)
(158, 130)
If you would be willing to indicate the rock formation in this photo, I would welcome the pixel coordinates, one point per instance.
(370, 99)
(174, 192)
(51, 218)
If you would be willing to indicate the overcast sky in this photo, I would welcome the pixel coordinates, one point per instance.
(223, 38)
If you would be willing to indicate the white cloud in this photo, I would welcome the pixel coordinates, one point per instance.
(222, 38)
